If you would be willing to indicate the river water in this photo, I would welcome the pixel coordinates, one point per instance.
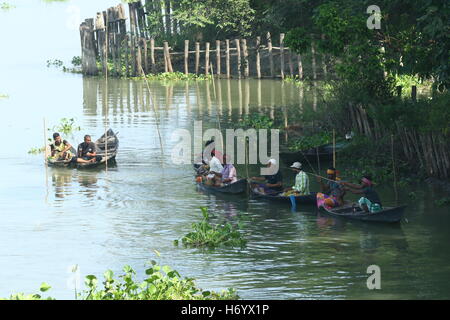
(52, 219)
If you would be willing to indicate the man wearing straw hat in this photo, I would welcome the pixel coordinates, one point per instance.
(301, 186)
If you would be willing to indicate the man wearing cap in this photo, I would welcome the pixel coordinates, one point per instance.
(332, 194)
(301, 186)
(370, 202)
(274, 182)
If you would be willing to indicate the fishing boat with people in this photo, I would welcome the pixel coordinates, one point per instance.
(349, 211)
(237, 187)
(309, 199)
(106, 151)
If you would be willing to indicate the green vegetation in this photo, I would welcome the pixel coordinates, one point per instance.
(160, 283)
(311, 141)
(443, 202)
(3, 96)
(205, 234)
(6, 6)
(66, 126)
(257, 121)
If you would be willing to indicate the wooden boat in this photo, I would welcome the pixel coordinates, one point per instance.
(237, 187)
(306, 199)
(388, 214)
(324, 153)
(107, 155)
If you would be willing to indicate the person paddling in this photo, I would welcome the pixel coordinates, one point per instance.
(370, 201)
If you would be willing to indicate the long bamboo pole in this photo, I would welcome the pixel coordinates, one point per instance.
(334, 148)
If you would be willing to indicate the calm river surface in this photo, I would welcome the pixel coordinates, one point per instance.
(51, 219)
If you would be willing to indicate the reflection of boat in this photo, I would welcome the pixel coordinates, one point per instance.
(388, 214)
(324, 153)
(239, 186)
(307, 199)
(112, 145)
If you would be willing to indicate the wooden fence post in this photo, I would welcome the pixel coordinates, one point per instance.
(206, 58)
(132, 37)
(144, 42)
(258, 58)
(282, 55)
(152, 55)
(238, 49)
(168, 62)
(313, 58)
(246, 64)
(197, 56)
(218, 58)
(186, 57)
(101, 39)
(139, 58)
(269, 48)
(227, 53)
(300, 67)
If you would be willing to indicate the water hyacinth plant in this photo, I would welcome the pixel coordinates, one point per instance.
(206, 234)
(160, 283)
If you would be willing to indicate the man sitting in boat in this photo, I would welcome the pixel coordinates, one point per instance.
(332, 194)
(215, 168)
(87, 151)
(228, 174)
(60, 149)
(301, 186)
(370, 201)
(274, 182)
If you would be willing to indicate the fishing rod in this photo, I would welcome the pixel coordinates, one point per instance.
(152, 102)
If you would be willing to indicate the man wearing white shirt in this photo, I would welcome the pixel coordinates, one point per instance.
(215, 166)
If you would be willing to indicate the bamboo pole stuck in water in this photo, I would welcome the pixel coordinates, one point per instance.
(258, 58)
(207, 59)
(218, 57)
(186, 57)
(152, 55)
(269, 48)
(238, 49)
(282, 55)
(245, 53)
(197, 56)
(227, 52)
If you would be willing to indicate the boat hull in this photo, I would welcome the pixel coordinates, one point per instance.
(388, 214)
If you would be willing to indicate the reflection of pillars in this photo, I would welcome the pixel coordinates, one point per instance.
(135, 96)
(219, 96)
(141, 96)
(240, 98)
(128, 94)
(230, 107)
(208, 97)
(247, 97)
(90, 95)
(315, 95)
(167, 97)
(199, 102)
(187, 98)
(259, 96)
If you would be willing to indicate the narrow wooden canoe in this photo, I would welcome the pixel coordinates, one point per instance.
(307, 199)
(237, 187)
(109, 155)
(388, 214)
